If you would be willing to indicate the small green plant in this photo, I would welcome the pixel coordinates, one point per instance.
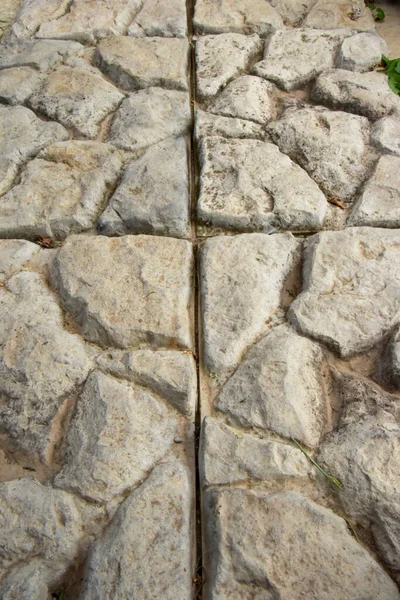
(392, 70)
(377, 13)
(334, 481)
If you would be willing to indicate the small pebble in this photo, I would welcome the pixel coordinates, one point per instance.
(178, 440)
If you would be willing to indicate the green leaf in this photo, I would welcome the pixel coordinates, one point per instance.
(398, 67)
(371, 6)
(394, 86)
(380, 14)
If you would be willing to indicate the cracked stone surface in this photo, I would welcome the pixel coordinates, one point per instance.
(385, 135)
(332, 14)
(32, 13)
(18, 84)
(361, 52)
(236, 16)
(157, 18)
(208, 124)
(38, 54)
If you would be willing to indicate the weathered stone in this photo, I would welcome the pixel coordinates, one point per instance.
(292, 11)
(150, 116)
(32, 13)
(220, 57)
(147, 302)
(22, 135)
(236, 16)
(393, 359)
(249, 185)
(207, 125)
(18, 84)
(294, 57)
(87, 20)
(233, 318)
(77, 98)
(24, 584)
(152, 529)
(361, 52)
(61, 192)
(153, 196)
(158, 18)
(228, 456)
(379, 204)
(248, 98)
(351, 288)
(41, 364)
(257, 546)
(13, 255)
(330, 146)
(385, 135)
(335, 14)
(137, 63)
(365, 94)
(38, 54)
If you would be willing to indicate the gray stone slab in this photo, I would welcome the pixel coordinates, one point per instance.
(236, 16)
(385, 135)
(207, 124)
(38, 54)
(159, 18)
(361, 52)
(32, 13)
(18, 84)
(334, 14)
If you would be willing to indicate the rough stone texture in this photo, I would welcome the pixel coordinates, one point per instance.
(149, 299)
(153, 196)
(148, 117)
(365, 94)
(41, 364)
(249, 185)
(295, 57)
(22, 135)
(117, 435)
(158, 18)
(152, 528)
(248, 98)
(24, 584)
(351, 288)
(232, 317)
(385, 135)
(393, 359)
(236, 16)
(77, 98)
(137, 63)
(61, 192)
(330, 146)
(13, 255)
(292, 11)
(207, 124)
(229, 456)
(334, 14)
(32, 13)
(361, 52)
(18, 84)
(283, 545)
(220, 57)
(38, 54)
(379, 204)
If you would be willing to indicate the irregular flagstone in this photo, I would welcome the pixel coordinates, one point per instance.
(148, 117)
(22, 135)
(361, 52)
(335, 14)
(365, 94)
(207, 124)
(242, 279)
(385, 135)
(24, 584)
(294, 57)
(236, 16)
(257, 546)
(279, 386)
(14, 254)
(32, 13)
(18, 84)
(292, 11)
(220, 57)
(330, 146)
(148, 300)
(152, 528)
(379, 204)
(40, 363)
(38, 54)
(136, 63)
(250, 185)
(248, 98)
(228, 456)
(77, 98)
(158, 18)
(351, 288)
(62, 191)
(153, 196)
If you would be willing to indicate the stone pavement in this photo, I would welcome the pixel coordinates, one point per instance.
(200, 302)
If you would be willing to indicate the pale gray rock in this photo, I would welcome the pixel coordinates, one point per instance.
(379, 204)
(351, 296)
(147, 302)
(38, 54)
(337, 14)
(118, 433)
(24, 584)
(148, 117)
(137, 63)
(158, 18)
(385, 135)
(229, 456)
(249, 185)
(207, 124)
(153, 196)
(219, 58)
(236, 16)
(77, 98)
(295, 57)
(14, 254)
(330, 146)
(41, 364)
(242, 279)
(32, 13)
(62, 191)
(292, 11)
(366, 94)
(248, 98)
(18, 84)
(265, 546)
(361, 52)
(22, 136)
(152, 530)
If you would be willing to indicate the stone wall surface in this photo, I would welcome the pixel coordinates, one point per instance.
(199, 302)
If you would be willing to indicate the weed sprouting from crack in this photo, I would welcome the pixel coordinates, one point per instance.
(334, 481)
